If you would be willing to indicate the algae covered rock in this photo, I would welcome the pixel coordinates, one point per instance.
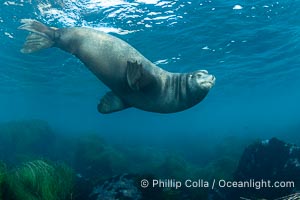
(268, 169)
(39, 180)
(122, 187)
(270, 160)
(94, 158)
(25, 139)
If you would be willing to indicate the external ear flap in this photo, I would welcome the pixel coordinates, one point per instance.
(137, 77)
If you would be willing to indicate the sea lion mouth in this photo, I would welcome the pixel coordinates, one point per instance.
(210, 78)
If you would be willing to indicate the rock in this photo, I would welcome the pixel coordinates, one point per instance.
(262, 165)
(127, 187)
(120, 187)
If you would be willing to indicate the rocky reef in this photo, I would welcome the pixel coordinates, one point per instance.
(118, 187)
(268, 169)
(39, 164)
(25, 140)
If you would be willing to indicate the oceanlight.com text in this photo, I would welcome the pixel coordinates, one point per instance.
(257, 184)
(201, 183)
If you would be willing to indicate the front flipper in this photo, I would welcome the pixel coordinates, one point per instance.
(111, 103)
(137, 77)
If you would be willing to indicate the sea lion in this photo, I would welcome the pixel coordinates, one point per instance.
(134, 80)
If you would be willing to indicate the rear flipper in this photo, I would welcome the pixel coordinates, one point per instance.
(111, 103)
(41, 36)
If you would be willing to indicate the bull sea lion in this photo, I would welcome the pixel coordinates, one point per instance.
(134, 80)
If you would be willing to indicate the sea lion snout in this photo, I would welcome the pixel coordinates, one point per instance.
(204, 79)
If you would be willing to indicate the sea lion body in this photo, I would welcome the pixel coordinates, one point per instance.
(107, 56)
(133, 79)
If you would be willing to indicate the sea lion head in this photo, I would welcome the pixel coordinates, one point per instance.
(198, 84)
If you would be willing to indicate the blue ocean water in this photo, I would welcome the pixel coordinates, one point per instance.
(252, 47)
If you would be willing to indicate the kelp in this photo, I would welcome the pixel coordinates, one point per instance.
(3, 173)
(39, 180)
